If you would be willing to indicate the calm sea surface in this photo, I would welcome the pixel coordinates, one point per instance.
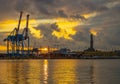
(60, 71)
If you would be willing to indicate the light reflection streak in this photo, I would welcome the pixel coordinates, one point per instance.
(45, 71)
(92, 73)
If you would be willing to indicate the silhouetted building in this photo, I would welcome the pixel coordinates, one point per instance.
(35, 51)
(62, 51)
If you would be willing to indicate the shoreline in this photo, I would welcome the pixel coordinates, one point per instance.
(70, 55)
(47, 56)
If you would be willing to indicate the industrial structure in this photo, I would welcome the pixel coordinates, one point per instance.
(16, 41)
(91, 48)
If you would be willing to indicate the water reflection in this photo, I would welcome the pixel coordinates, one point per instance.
(37, 72)
(59, 72)
(4, 73)
(13, 72)
(92, 73)
(64, 72)
(34, 72)
(45, 71)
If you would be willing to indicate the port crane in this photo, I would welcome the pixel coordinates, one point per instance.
(16, 41)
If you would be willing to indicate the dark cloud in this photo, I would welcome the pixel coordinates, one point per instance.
(79, 17)
(61, 13)
(106, 20)
(54, 26)
(51, 8)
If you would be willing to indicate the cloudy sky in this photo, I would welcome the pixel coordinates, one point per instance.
(64, 23)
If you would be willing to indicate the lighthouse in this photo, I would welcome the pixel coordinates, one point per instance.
(91, 48)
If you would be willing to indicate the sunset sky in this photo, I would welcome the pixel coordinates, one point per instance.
(64, 23)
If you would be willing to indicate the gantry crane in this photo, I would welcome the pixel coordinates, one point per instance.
(15, 41)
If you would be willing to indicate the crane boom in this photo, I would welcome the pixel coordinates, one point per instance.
(26, 29)
(27, 22)
(19, 22)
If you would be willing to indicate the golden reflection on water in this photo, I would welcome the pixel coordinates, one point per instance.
(45, 71)
(34, 72)
(12, 73)
(4, 73)
(64, 72)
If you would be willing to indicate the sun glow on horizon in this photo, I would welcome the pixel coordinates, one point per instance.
(44, 49)
(3, 48)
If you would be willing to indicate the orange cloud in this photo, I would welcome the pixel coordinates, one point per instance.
(9, 25)
(89, 15)
(66, 28)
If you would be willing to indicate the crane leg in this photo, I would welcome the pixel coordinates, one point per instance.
(22, 48)
(28, 46)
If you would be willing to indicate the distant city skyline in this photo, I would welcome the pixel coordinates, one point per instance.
(64, 23)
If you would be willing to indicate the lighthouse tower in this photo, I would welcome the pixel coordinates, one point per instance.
(91, 48)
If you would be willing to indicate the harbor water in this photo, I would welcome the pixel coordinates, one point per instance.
(60, 71)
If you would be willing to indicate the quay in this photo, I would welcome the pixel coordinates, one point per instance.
(69, 55)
